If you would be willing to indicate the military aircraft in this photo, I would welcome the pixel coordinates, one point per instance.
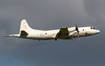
(62, 33)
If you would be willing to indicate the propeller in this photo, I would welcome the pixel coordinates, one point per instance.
(76, 28)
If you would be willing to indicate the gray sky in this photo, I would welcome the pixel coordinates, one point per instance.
(52, 14)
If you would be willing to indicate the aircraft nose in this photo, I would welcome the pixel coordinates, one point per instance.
(98, 31)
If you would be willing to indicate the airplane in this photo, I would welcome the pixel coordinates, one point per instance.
(62, 33)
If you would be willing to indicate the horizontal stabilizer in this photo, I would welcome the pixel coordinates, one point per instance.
(24, 33)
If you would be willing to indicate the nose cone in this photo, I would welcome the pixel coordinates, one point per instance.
(98, 31)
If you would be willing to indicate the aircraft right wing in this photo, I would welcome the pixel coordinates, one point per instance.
(63, 32)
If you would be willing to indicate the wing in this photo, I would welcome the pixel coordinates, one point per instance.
(63, 33)
(66, 33)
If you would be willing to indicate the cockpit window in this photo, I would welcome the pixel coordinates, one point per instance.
(92, 28)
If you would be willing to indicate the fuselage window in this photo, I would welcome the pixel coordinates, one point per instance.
(46, 33)
(83, 29)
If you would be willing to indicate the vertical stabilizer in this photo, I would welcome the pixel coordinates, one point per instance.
(24, 26)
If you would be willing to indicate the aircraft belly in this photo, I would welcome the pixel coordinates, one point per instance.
(67, 37)
(39, 37)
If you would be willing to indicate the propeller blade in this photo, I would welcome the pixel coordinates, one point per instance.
(77, 31)
(76, 27)
(78, 37)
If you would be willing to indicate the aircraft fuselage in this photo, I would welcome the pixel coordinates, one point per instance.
(62, 33)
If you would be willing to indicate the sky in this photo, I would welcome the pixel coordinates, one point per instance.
(48, 15)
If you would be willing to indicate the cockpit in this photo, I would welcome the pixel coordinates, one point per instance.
(92, 28)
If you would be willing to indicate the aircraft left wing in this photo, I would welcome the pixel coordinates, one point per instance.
(62, 33)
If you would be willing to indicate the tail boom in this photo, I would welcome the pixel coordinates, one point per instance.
(12, 35)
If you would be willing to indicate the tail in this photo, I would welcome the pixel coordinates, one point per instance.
(24, 28)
